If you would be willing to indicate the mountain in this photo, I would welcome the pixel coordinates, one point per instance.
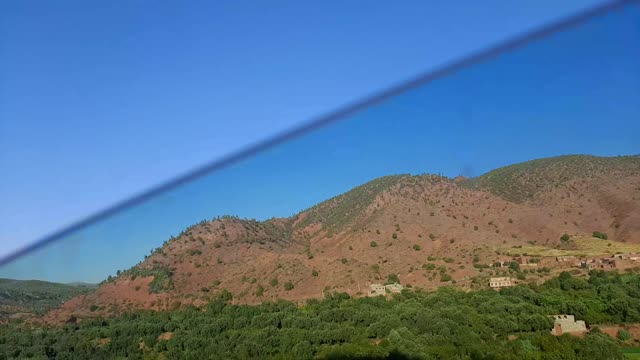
(399, 226)
(27, 298)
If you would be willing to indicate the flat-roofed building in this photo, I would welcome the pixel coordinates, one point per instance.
(567, 324)
(500, 282)
(379, 289)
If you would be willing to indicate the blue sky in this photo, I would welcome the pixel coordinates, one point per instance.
(575, 92)
(100, 101)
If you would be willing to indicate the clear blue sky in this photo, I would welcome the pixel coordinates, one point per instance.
(149, 97)
(98, 101)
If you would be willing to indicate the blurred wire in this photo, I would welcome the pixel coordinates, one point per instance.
(325, 120)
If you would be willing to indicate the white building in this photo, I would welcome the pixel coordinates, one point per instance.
(500, 282)
(379, 289)
(567, 324)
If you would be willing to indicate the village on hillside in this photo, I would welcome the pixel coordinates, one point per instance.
(613, 262)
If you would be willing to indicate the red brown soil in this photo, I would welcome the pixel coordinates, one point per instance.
(444, 218)
(612, 330)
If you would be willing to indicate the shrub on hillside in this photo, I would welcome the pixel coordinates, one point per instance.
(623, 335)
(393, 279)
(288, 286)
(600, 235)
(429, 266)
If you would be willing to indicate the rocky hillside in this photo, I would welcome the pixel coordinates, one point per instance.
(424, 230)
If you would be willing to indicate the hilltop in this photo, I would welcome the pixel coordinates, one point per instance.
(424, 230)
(28, 298)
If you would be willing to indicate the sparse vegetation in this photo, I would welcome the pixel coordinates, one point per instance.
(335, 213)
(584, 246)
(36, 297)
(523, 181)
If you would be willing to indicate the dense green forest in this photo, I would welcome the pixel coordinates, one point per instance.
(446, 324)
(34, 296)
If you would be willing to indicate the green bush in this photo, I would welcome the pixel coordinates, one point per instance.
(600, 235)
(393, 279)
(288, 286)
(373, 244)
(429, 266)
(623, 335)
(514, 266)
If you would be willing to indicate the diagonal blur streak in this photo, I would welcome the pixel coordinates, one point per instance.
(322, 121)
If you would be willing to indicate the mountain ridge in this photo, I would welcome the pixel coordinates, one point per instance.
(392, 226)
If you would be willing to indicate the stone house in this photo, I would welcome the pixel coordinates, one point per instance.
(600, 264)
(376, 289)
(567, 324)
(500, 282)
(379, 289)
(394, 288)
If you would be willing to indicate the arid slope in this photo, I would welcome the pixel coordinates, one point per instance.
(391, 225)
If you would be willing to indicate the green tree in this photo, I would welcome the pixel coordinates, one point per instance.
(393, 279)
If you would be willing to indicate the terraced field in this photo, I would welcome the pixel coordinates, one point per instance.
(584, 246)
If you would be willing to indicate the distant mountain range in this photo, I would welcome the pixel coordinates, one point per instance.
(387, 229)
(28, 298)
